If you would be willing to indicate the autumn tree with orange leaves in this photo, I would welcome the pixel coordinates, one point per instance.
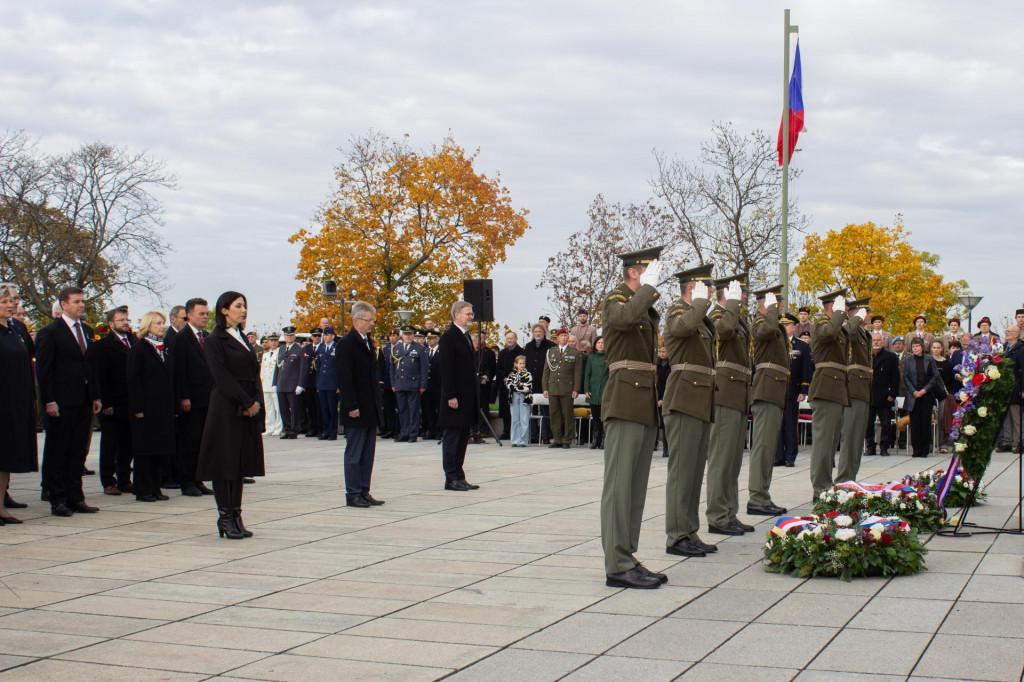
(877, 261)
(403, 229)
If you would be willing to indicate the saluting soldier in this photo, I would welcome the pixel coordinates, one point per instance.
(858, 386)
(829, 395)
(563, 374)
(288, 375)
(408, 382)
(629, 408)
(800, 371)
(732, 400)
(688, 409)
(431, 399)
(768, 393)
(327, 384)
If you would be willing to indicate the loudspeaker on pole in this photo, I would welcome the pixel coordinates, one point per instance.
(480, 293)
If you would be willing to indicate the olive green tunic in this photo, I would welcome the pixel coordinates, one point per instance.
(855, 417)
(830, 348)
(768, 393)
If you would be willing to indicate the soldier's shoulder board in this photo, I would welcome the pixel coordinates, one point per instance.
(716, 314)
(822, 320)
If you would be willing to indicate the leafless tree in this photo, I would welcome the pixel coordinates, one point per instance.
(727, 204)
(580, 275)
(88, 218)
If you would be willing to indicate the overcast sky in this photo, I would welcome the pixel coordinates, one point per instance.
(912, 108)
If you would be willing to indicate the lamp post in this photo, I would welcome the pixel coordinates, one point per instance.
(970, 302)
(347, 302)
(403, 316)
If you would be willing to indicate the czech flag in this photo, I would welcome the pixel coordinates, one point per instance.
(796, 108)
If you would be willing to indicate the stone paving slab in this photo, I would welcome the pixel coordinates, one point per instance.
(501, 583)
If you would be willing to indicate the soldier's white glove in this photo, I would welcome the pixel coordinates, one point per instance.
(839, 304)
(298, 390)
(652, 275)
(862, 313)
(770, 300)
(734, 291)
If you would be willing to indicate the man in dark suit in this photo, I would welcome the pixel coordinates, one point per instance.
(800, 372)
(506, 362)
(362, 409)
(193, 384)
(64, 368)
(327, 384)
(288, 375)
(310, 397)
(176, 321)
(431, 398)
(885, 387)
(459, 395)
(110, 355)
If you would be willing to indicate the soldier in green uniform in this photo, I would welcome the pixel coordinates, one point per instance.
(563, 375)
(629, 407)
(858, 383)
(732, 399)
(830, 348)
(768, 393)
(688, 409)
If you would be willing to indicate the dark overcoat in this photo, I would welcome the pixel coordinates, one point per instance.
(458, 380)
(110, 358)
(151, 393)
(358, 382)
(931, 376)
(192, 377)
(885, 380)
(232, 444)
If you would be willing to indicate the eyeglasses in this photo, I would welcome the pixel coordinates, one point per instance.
(371, 320)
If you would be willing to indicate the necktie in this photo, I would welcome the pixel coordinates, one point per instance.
(368, 346)
(124, 340)
(81, 337)
(469, 339)
(202, 344)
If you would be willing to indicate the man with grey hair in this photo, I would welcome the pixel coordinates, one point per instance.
(176, 319)
(362, 407)
(1009, 434)
(459, 396)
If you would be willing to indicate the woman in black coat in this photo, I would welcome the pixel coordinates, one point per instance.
(151, 401)
(232, 446)
(920, 376)
(18, 454)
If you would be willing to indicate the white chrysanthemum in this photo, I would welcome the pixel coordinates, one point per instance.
(876, 534)
(903, 505)
(970, 429)
(982, 412)
(960, 447)
(845, 534)
(993, 372)
(843, 521)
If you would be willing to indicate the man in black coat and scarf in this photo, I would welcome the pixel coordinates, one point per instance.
(885, 388)
(362, 408)
(459, 395)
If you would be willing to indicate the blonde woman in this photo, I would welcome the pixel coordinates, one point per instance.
(151, 402)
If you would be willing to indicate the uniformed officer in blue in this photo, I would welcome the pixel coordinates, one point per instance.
(327, 384)
(409, 373)
(291, 368)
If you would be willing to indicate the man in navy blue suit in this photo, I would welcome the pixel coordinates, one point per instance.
(800, 372)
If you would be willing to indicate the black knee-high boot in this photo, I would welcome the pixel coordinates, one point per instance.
(237, 509)
(223, 493)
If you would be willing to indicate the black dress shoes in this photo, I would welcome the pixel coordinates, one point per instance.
(321, 437)
(145, 498)
(248, 480)
(201, 487)
(765, 509)
(61, 510)
(412, 439)
(710, 549)
(11, 504)
(685, 548)
(357, 501)
(86, 471)
(191, 491)
(566, 446)
(402, 439)
(660, 577)
(369, 498)
(791, 464)
(634, 578)
(470, 486)
(736, 524)
(558, 445)
(160, 496)
(9, 520)
(82, 508)
(728, 530)
(456, 485)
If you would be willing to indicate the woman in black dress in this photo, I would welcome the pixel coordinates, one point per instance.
(944, 407)
(232, 446)
(18, 454)
(151, 401)
(920, 376)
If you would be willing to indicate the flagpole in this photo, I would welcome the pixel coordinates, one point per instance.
(784, 261)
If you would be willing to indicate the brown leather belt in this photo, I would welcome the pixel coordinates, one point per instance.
(865, 368)
(733, 365)
(690, 367)
(830, 365)
(772, 365)
(632, 364)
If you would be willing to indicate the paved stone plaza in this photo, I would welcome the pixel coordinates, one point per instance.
(503, 583)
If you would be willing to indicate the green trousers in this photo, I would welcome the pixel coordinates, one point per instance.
(627, 466)
(826, 418)
(855, 426)
(563, 423)
(688, 439)
(767, 422)
(725, 456)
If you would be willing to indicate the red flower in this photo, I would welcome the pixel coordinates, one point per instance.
(886, 539)
(997, 359)
(826, 538)
(979, 379)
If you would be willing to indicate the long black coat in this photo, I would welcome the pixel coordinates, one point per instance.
(931, 377)
(358, 382)
(535, 357)
(110, 358)
(458, 380)
(19, 453)
(65, 376)
(151, 392)
(232, 444)
(192, 378)
(885, 379)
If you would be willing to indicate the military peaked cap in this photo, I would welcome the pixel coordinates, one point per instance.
(316, 331)
(328, 330)
(833, 295)
(408, 329)
(864, 302)
(641, 257)
(288, 330)
(740, 277)
(701, 273)
(760, 293)
(788, 318)
(431, 334)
